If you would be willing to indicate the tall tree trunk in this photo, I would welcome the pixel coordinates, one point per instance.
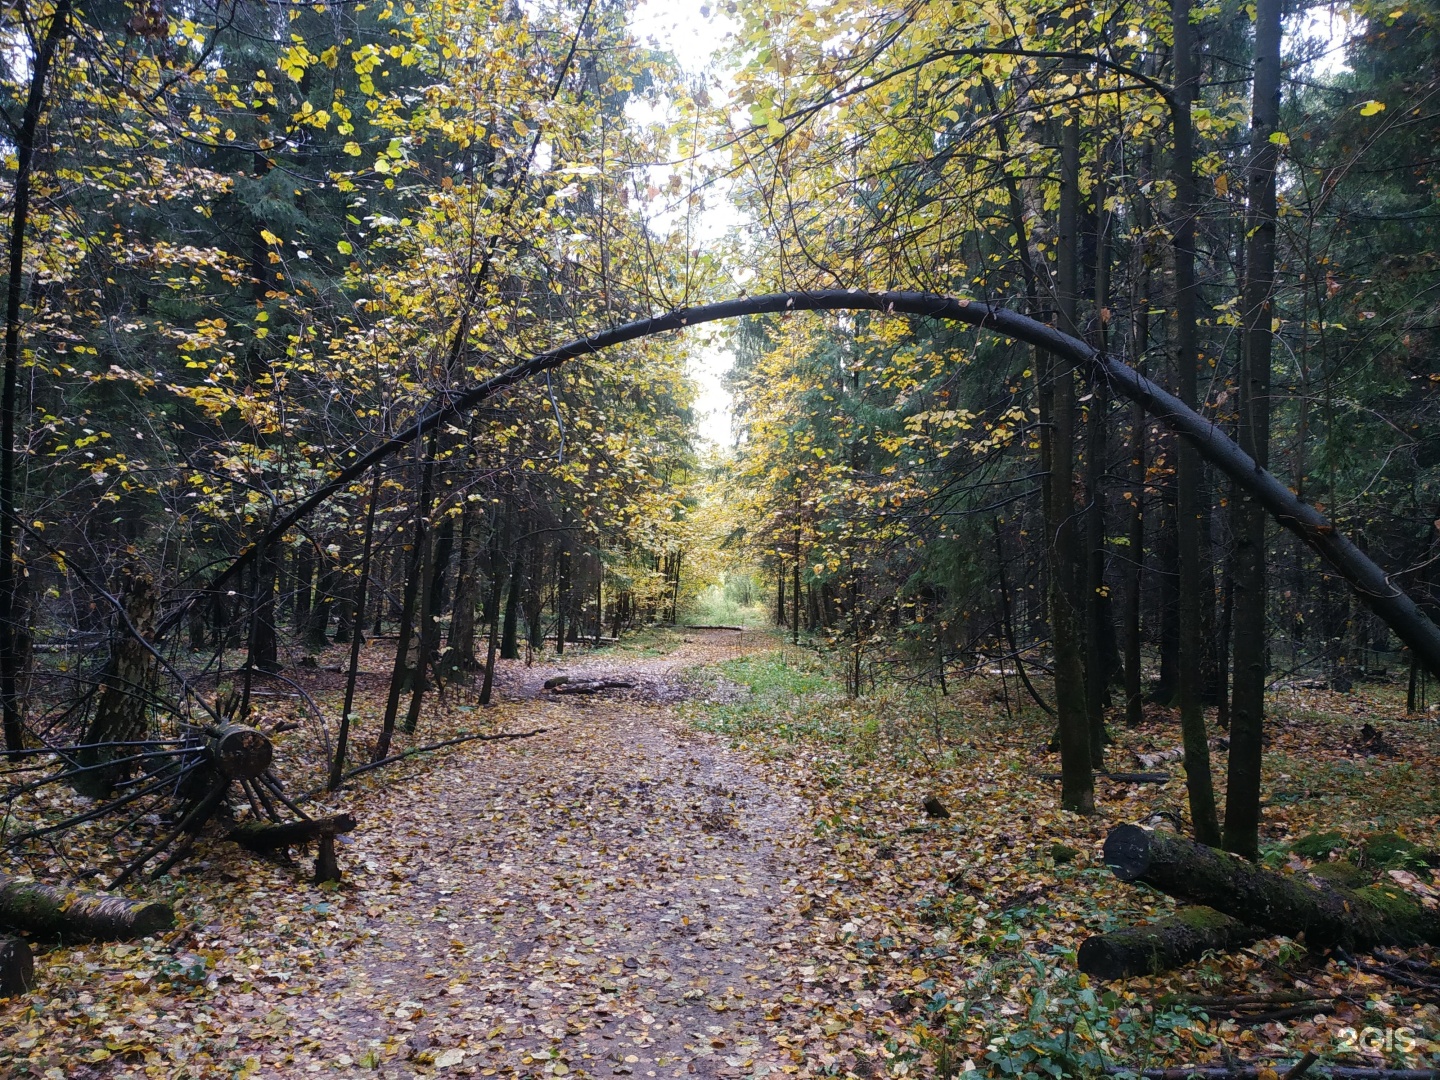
(1188, 465)
(460, 645)
(1077, 780)
(1134, 680)
(562, 591)
(126, 690)
(11, 580)
(1097, 607)
(357, 637)
(1247, 710)
(304, 563)
(509, 638)
(419, 539)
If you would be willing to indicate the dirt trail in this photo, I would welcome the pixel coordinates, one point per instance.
(600, 900)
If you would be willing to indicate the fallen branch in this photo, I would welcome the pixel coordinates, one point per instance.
(418, 750)
(50, 911)
(265, 836)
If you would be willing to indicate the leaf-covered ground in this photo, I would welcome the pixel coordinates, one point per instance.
(726, 872)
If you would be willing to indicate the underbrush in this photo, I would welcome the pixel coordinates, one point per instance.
(964, 929)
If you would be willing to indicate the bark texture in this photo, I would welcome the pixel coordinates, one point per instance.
(1281, 903)
(1160, 946)
(53, 912)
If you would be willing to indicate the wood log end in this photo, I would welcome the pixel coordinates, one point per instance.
(17, 966)
(150, 917)
(1127, 852)
(242, 753)
(935, 808)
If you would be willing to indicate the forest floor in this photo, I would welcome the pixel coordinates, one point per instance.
(724, 871)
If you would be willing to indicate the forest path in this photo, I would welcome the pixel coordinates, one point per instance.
(608, 898)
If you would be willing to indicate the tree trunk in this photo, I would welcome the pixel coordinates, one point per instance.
(1247, 708)
(126, 690)
(562, 592)
(357, 635)
(304, 564)
(1280, 903)
(1078, 783)
(1097, 608)
(1160, 946)
(1188, 465)
(51, 911)
(420, 537)
(510, 638)
(1371, 582)
(12, 582)
(460, 645)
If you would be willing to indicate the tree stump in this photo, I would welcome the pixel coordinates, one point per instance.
(17, 966)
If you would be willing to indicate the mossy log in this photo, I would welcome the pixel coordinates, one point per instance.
(263, 836)
(52, 912)
(17, 966)
(1382, 914)
(1170, 943)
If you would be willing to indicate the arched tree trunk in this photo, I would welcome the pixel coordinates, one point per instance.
(1391, 603)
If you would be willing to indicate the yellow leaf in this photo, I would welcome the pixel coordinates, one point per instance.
(1370, 108)
(269, 237)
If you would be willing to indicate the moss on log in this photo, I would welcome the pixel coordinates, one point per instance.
(52, 912)
(1170, 943)
(1382, 914)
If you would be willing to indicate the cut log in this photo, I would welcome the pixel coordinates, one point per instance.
(1382, 914)
(264, 836)
(935, 808)
(556, 680)
(17, 966)
(1122, 777)
(52, 912)
(1170, 943)
(241, 753)
(1159, 757)
(591, 686)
